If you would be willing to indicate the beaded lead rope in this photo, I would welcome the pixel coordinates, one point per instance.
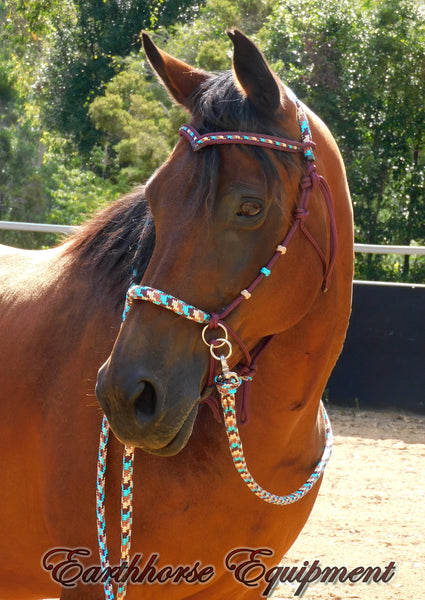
(227, 386)
(228, 382)
(126, 508)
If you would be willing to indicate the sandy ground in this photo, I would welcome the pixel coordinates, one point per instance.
(370, 510)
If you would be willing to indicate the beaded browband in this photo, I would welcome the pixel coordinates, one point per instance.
(198, 141)
(227, 382)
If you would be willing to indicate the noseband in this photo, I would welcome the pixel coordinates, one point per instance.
(227, 382)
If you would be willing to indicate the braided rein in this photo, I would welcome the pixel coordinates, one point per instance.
(226, 382)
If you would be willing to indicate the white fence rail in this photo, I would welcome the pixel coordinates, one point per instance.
(43, 227)
(367, 248)
(376, 249)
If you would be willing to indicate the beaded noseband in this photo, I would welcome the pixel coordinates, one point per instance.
(227, 382)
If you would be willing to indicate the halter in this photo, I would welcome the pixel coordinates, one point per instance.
(227, 382)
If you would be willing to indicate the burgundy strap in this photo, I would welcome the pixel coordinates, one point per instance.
(309, 182)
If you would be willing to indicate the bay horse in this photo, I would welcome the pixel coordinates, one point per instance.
(199, 231)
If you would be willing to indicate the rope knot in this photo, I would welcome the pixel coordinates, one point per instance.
(247, 372)
(310, 179)
(228, 385)
(306, 182)
(301, 214)
(315, 178)
(214, 321)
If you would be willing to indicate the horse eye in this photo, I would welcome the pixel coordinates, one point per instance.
(249, 208)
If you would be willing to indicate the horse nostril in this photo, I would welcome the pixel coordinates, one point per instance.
(145, 403)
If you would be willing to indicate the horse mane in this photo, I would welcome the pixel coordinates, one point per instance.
(221, 105)
(116, 244)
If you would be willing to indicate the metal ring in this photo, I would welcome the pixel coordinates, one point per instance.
(226, 335)
(223, 343)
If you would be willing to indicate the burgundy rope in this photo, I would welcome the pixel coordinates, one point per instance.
(228, 382)
(309, 182)
(247, 369)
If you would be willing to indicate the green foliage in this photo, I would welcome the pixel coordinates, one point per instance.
(82, 118)
(139, 124)
(203, 43)
(88, 38)
(137, 121)
(54, 59)
(74, 190)
(21, 184)
(361, 67)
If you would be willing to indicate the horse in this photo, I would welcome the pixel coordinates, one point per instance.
(199, 230)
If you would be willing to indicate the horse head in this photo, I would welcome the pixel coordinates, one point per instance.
(220, 213)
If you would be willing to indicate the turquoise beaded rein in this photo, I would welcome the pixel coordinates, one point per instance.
(227, 382)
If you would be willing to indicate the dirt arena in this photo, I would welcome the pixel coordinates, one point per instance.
(370, 510)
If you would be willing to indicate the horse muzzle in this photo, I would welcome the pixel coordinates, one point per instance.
(153, 413)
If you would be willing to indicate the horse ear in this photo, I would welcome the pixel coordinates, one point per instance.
(180, 79)
(254, 74)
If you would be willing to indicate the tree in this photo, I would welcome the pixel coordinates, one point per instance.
(202, 42)
(361, 67)
(139, 124)
(134, 116)
(21, 185)
(82, 118)
(89, 38)
(55, 58)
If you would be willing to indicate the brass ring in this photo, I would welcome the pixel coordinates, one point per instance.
(226, 335)
(223, 343)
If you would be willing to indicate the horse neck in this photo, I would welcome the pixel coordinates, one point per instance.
(97, 301)
(286, 391)
(67, 301)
